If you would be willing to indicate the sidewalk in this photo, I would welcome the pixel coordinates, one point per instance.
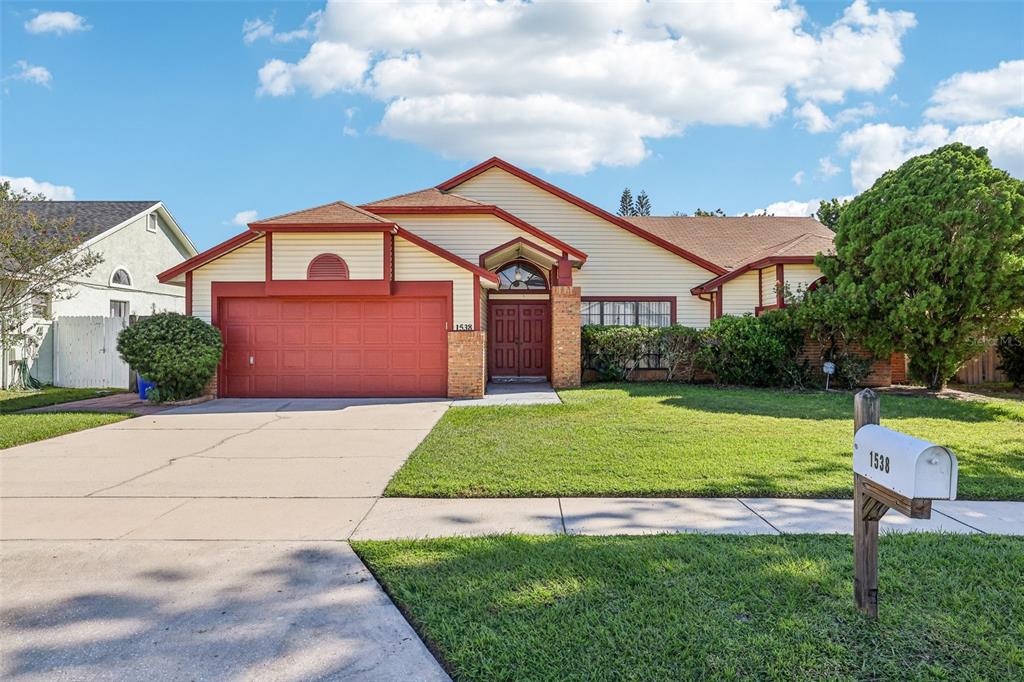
(394, 518)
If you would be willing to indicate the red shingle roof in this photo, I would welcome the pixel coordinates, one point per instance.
(425, 197)
(732, 241)
(335, 213)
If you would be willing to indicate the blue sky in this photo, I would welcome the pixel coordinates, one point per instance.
(221, 108)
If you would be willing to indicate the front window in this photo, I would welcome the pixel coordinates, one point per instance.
(118, 308)
(627, 313)
(41, 306)
(521, 276)
(630, 314)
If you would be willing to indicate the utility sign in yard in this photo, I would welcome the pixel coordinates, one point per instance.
(891, 470)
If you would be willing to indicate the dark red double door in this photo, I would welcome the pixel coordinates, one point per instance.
(519, 341)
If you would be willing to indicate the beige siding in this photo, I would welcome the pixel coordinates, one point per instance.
(414, 264)
(767, 285)
(739, 295)
(245, 264)
(467, 236)
(483, 309)
(619, 264)
(363, 252)
(799, 277)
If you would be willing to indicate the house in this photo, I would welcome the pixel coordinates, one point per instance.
(137, 240)
(488, 275)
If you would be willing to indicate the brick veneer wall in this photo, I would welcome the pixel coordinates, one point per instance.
(899, 368)
(565, 337)
(211, 386)
(467, 368)
(880, 373)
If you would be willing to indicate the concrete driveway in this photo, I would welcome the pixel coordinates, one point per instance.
(206, 542)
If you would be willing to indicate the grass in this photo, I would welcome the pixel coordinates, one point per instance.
(709, 607)
(12, 401)
(667, 439)
(18, 429)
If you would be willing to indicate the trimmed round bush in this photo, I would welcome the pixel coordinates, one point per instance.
(177, 352)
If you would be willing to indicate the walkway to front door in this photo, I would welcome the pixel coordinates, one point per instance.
(519, 338)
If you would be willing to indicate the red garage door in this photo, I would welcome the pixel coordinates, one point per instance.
(334, 347)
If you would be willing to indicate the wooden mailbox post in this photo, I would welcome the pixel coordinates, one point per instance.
(891, 470)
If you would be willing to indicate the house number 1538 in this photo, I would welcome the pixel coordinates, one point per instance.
(879, 461)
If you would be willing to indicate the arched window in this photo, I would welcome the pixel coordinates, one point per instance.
(121, 278)
(327, 266)
(521, 275)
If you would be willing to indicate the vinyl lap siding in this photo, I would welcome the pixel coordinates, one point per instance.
(799, 277)
(413, 264)
(619, 263)
(245, 264)
(362, 252)
(466, 236)
(767, 285)
(739, 296)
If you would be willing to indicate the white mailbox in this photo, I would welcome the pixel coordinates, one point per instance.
(908, 466)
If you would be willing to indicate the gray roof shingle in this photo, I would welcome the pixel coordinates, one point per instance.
(91, 217)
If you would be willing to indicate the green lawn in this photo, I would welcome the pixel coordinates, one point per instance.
(17, 429)
(709, 607)
(11, 401)
(665, 439)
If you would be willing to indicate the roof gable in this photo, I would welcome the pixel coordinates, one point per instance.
(91, 218)
(496, 163)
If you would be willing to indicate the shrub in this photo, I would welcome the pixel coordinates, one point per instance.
(1010, 348)
(614, 352)
(680, 346)
(178, 352)
(754, 351)
(823, 316)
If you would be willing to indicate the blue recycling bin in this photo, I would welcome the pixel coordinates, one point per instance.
(144, 385)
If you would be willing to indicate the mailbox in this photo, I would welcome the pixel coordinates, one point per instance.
(908, 466)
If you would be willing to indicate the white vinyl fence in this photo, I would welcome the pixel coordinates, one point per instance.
(84, 352)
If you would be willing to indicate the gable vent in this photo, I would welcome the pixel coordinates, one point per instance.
(327, 266)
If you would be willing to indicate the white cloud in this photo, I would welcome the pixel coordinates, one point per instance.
(798, 177)
(813, 118)
(56, 22)
(39, 75)
(826, 168)
(244, 217)
(817, 121)
(627, 72)
(254, 29)
(980, 95)
(879, 147)
(790, 208)
(49, 190)
(258, 28)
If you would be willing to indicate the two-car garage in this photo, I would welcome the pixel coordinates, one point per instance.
(340, 346)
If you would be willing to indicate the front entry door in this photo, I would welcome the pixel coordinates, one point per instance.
(519, 339)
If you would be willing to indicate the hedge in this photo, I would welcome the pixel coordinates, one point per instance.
(179, 353)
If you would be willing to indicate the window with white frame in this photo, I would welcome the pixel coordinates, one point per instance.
(118, 308)
(151, 222)
(41, 306)
(121, 278)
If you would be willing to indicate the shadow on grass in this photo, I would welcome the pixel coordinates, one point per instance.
(708, 607)
(809, 405)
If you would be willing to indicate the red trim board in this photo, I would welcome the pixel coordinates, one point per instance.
(495, 162)
(447, 255)
(512, 242)
(323, 227)
(210, 254)
(754, 265)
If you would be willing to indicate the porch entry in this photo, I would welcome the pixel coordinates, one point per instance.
(519, 339)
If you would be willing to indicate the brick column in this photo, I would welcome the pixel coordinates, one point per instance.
(565, 337)
(210, 389)
(467, 369)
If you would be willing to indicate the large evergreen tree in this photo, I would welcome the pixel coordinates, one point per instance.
(828, 212)
(643, 204)
(930, 260)
(626, 206)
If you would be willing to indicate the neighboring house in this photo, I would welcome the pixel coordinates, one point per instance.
(137, 240)
(488, 275)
